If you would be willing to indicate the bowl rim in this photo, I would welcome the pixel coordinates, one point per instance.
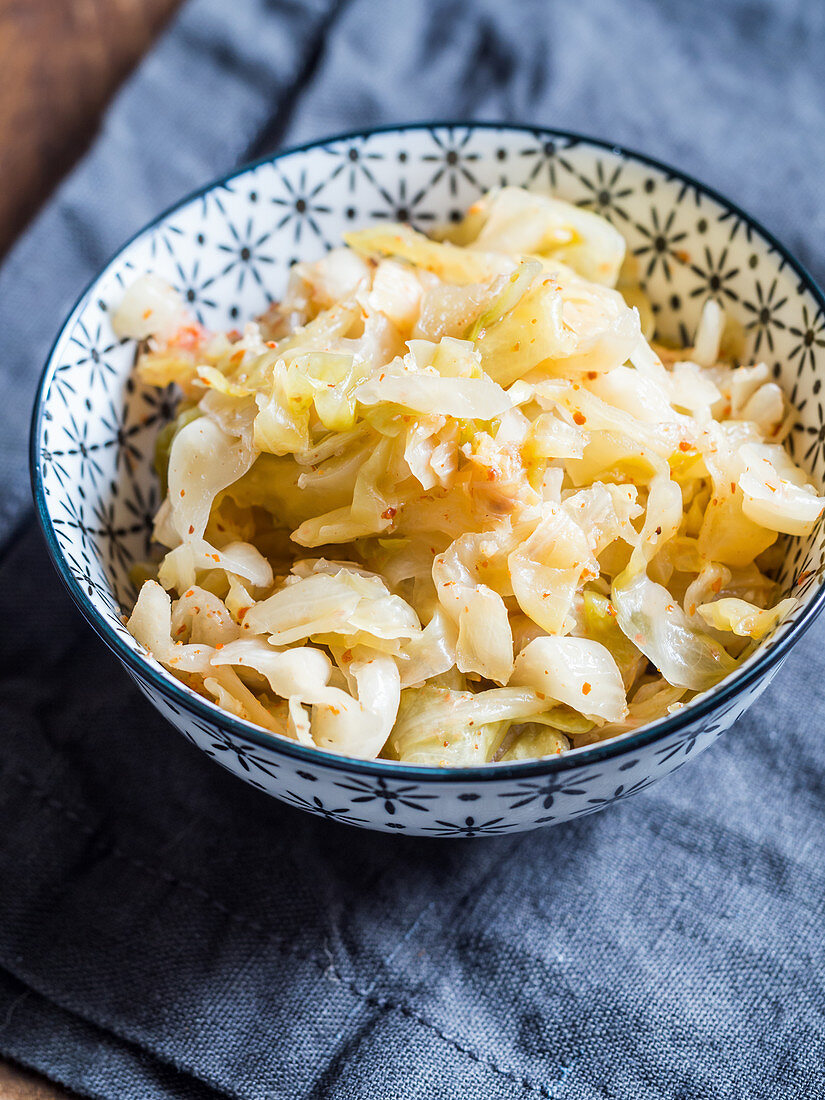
(632, 741)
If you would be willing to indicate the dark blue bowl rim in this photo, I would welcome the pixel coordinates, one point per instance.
(624, 744)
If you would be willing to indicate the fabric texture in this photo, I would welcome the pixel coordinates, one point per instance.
(168, 932)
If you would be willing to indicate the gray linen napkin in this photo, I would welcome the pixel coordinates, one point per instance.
(166, 931)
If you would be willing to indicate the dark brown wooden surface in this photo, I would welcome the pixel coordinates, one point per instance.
(60, 63)
(19, 1084)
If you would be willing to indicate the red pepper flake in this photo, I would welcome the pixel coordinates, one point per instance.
(236, 356)
(335, 711)
(611, 611)
(733, 486)
(658, 530)
(717, 584)
(683, 256)
(684, 445)
(180, 630)
(803, 576)
(271, 344)
(233, 334)
(591, 374)
(586, 688)
(214, 557)
(579, 418)
(389, 513)
(147, 313)
(183, 492)
(191, 529)
(188, 337)
(346, 656)
(219, 645)
(241, 612)
(516, 346)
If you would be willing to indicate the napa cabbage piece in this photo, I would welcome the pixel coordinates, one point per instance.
(376, 499)
(446, 501)
(183, 564)
(315, 287)
(578, 672)
(203, 460)
(776, 493)
(200, 616)
(600, 625)
(653, 699)
(426, 391)
(440, 726)
(431, 653)
(151, 624)
(231, 694)
(533, 742)
(505, 294)
(649, 616)
(149, 307)
(727, 533)
(348, 603)
(354, 723)
(512, 220)
(453, 265)
(563, 325)
(745, 619)
(484, 642)
(547, 569)
(605, 513)
(164, 440)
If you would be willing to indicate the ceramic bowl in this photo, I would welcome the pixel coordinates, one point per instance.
(228, 249)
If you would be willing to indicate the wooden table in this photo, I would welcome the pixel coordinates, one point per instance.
(60, 63)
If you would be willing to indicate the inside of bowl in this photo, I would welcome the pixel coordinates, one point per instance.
(229, 252)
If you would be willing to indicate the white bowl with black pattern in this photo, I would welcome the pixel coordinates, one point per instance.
(228, 249)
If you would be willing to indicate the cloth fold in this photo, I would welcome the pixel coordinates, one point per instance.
(166, 931)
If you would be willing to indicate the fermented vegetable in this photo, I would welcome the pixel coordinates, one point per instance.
(449, 502)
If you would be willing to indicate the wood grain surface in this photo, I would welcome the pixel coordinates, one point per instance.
(60, 63)
(20, 1084)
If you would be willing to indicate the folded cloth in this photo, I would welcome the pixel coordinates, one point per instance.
(166, 931)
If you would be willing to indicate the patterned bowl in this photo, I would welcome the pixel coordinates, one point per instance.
(228, 249)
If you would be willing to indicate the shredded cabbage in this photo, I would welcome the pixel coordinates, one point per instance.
(445, 502)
